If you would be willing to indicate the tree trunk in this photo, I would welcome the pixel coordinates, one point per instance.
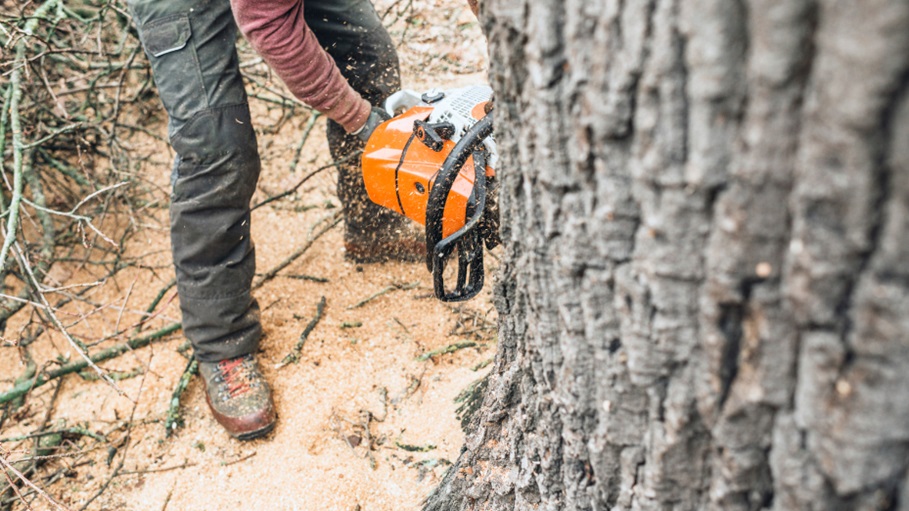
(704, 299)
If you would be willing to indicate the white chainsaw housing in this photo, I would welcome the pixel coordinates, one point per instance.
(454, 106)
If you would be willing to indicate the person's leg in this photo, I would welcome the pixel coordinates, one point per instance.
(351, 32)
(191, 46)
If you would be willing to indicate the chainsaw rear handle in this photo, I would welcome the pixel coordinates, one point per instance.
(467, 239)
(402, 100)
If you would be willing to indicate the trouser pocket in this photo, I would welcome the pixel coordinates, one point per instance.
(175, 66)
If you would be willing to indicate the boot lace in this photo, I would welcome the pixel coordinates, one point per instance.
(235, 376)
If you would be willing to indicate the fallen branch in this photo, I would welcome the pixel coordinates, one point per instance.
(174, 419)
(73, 431)
(294, 355)
(451, 348)
(22, 388)
(86, 360)
(30, 370)
(12, 223)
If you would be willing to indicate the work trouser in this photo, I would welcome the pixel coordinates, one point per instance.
(191, 46)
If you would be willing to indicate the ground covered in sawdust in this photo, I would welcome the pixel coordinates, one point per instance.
(363, 422)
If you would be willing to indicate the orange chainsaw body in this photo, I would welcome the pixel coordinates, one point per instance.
(399, 169)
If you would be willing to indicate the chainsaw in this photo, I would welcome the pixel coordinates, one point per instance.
(434, 162)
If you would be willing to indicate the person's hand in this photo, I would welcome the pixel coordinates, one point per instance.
(376, 117)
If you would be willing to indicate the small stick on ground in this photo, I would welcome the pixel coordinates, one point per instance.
(383, 392)
(469, 401)
(184, 349)
(402, 325)
(174, 418)
(311, 278)
(238, 460)
(294, 355)
(299, 252)
(451, 348)
(306, 178)
(167, 499)
(415, 448)
(482, 364)
(155, 470)
(393, 287)
(114, 375)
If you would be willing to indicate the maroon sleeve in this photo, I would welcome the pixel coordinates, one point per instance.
(278, 31)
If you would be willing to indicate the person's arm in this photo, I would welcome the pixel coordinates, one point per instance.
(278, 31)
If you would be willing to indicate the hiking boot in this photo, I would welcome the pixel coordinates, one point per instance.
(239, 396)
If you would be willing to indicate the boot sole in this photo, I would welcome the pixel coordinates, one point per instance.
(249, 435)
(259, 433)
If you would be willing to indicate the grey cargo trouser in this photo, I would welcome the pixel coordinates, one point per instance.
(191, 46)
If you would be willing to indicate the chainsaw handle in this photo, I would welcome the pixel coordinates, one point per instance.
(441, 185)
(466, 239)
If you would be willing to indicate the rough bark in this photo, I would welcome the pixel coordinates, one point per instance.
(704, 299)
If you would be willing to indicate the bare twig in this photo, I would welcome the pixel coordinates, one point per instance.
(386, 290)
(126, 440)
(156, 470)
(451, 348)
(155, 301)
(294, 354)
(299, 150)
(53, 316)
(12, 469)
(306, 178)
(238, 460)
(335, 220)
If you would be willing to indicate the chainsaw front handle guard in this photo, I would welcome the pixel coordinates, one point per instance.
(467, 239)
